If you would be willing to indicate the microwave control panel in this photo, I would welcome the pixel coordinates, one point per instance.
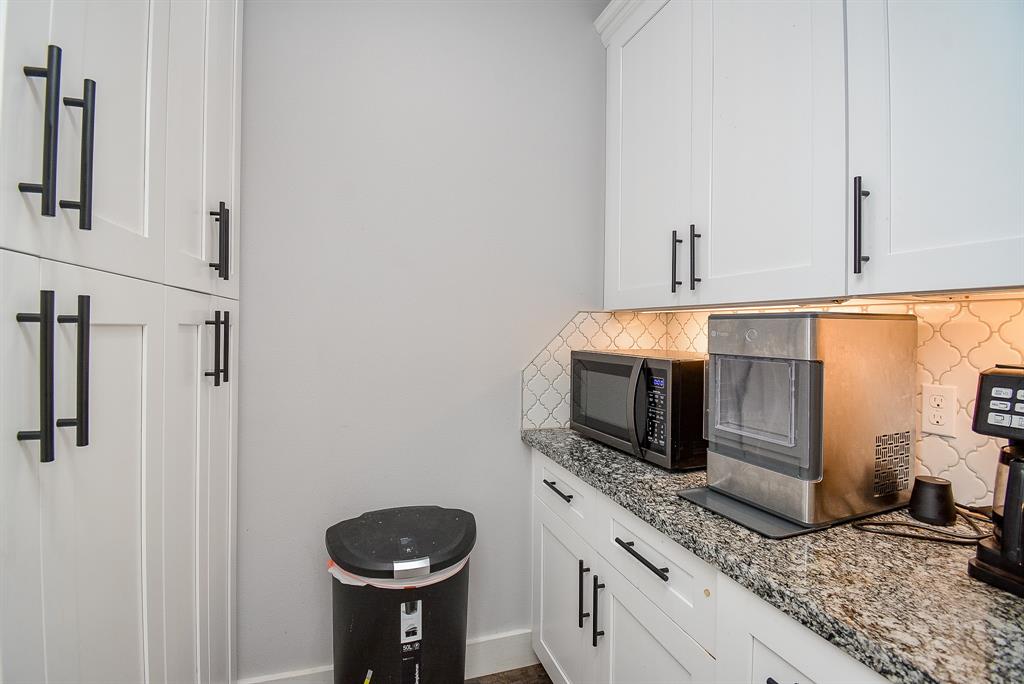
(999, 408)
(657, 402)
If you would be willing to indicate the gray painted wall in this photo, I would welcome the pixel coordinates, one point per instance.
(422, 205)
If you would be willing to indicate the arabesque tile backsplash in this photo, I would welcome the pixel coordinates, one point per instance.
(956, 340)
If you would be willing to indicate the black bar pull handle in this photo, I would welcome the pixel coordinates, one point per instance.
(51, 119)
(583, 571)
(45, 433)
(858, 195)
(84, 202)
(628, 546)
(82, 321)
(676, 240)
(596, 632)
(216, 373)
(693, 257)
(226, 322)
(223, 218)
(567, 498)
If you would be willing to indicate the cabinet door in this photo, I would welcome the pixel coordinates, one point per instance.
(189, 351)
(202, 143)
(217, 512)
(102, 507)
(770, 122)
(122, 46)
(937, 134)
(22, 112)
(641, 645)
(561, 592)
(649, 190)
(22, 654)
(199, 475)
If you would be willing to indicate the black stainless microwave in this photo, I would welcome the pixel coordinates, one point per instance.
(646, 403)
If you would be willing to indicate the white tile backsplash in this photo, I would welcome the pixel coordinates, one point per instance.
(956, 340)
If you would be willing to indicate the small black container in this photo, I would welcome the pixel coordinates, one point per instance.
(400, 592)
(931, 501)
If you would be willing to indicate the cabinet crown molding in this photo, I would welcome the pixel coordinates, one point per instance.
(616, 13)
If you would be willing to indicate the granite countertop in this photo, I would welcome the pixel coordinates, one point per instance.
(905, 608)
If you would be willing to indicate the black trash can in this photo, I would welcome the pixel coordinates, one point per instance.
(400, 594)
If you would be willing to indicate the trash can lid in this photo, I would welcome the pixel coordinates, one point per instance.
(410, 541)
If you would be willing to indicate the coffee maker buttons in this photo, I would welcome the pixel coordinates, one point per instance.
(999, 419)
(1002, 392)
(999, 405)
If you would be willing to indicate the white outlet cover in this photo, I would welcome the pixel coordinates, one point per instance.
(939, 421)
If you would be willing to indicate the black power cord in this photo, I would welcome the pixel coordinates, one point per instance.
(937, 534)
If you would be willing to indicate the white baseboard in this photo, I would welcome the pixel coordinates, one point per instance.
(484, 655)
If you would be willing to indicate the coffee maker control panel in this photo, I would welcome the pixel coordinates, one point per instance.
(999, 407)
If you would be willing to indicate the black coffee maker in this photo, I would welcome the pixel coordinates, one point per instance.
(999, 412)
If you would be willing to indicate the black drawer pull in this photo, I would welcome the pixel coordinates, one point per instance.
(217, 372)
(45, 433)
(84, 202)
(226, 322)
(596, 632)
(676, 240)
(51, 119)
(693, 257)
(567, 498)
(583, 571)
(223, 218)
(858, 195)
(82, 321)
(660, 572)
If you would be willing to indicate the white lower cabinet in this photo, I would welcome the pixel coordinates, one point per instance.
(592, 626)
(601, 616)
(116, 498)
(765, 645)
(640, 644)
(562, 575)
(81, 556)
(199, 485)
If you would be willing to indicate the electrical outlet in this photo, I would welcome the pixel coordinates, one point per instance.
(938, 410)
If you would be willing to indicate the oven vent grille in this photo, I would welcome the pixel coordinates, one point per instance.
(893, 453)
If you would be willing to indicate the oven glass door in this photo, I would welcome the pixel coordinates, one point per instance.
(600, 392)
(766, 412)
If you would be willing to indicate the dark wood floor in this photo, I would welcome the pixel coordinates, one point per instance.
(527, 675)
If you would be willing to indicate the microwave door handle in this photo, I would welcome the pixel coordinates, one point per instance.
(631, 393)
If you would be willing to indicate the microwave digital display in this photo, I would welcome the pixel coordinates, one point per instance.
(658, 382)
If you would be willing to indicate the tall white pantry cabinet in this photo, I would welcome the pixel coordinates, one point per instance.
(781, 150)
(119, 177)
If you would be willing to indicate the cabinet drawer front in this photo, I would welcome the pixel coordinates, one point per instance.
(678, 582)
(566, 495)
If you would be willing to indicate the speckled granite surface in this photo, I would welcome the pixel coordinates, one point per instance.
(903, 607)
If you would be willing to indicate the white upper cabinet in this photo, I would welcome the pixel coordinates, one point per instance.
(770, 128)
(729, 117)
(122, 47)
(23, 111)
(650, 194)
(154, 86)
(203, 144)
(937, 136)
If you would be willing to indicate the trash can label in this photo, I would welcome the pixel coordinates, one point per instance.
(411, 635)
